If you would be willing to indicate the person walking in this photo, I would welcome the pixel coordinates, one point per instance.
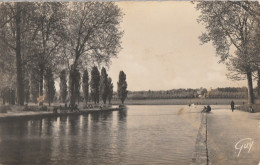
(232, 105)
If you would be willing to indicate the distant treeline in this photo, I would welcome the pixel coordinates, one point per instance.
(239, 93)
(228, 92)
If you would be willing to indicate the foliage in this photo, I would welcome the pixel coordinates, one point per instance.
(74, 80)
(94, 84)
(93, 35)
(122, 87)
(27, 90)
(103, 85)
(85, 85)
(55, 35)
(49, 86)
(63, 86)
(229, 24)
(228, 92)
(34, 86)
(110, 90)
(48, 23)
(13, 25)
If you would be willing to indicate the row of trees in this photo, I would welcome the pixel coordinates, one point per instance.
(228, 92)
(100, 86)
(44, 38)
(233, 27)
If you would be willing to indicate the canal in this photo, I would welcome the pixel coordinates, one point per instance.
(139, 135)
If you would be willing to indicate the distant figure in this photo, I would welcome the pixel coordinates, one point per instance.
(232, 105)
(208, 108)
(55, 110)
(204, 109)
(76, 108)
(251, 110)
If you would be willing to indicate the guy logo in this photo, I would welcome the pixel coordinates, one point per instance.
(246, 144)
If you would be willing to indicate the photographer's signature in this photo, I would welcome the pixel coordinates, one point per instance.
(246, 144)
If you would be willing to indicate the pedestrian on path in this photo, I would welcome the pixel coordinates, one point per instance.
(232, 105)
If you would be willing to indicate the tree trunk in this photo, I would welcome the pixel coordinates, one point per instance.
(19, 74)
(10, 96)
(73, 79)
(49, 99)
(72, 87)
(258, 83)
(250, 88)
(41, 85)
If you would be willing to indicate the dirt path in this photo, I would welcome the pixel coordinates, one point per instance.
(233, 137)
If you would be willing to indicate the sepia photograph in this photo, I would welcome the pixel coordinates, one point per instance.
(129, 82)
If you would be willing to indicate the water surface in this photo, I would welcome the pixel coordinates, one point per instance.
(139, 135)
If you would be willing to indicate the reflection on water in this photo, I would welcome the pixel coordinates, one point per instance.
(139, 135)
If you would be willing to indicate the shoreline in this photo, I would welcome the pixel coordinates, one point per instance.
(200, 153)
(184, 101)
(42, 114)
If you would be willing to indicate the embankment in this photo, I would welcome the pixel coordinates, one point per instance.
(200, 153)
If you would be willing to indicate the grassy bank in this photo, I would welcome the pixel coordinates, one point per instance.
(182, 101)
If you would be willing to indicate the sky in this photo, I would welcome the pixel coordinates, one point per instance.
(161, 49)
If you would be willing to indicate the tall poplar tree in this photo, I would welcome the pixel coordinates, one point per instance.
(103, 85)
(63, 86)
(74, 86)
(49, 86)
(122, 87)
(110, 90)
(34, 86)
(85, 85)
(94, 84)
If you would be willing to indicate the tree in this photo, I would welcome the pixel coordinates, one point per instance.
(49, 86)
(48, 23)
(7, 74)
(74, 80)
(122, 86)
(63, 86)
(227, 24)
(254, 51)
(77, 85)
(29, 30)
(93, 34)
(110, 90)
(34, 86)
(94, 84)
(103, 85)
(85, 85)
(26, 90)
(12, 27)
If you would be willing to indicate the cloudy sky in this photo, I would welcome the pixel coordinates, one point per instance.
(161, 49)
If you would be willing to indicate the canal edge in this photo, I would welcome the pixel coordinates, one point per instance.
(200, 153)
